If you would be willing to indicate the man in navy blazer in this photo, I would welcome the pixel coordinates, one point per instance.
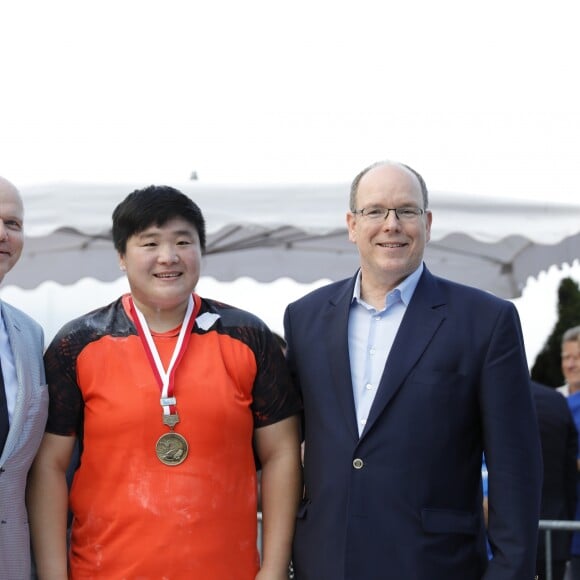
(559, 452)
(407, 379)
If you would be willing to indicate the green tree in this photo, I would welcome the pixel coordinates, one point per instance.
(547, 368)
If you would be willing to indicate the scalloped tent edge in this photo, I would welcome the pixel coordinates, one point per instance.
(266, 232)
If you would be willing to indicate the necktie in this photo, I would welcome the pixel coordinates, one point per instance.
(4, 424)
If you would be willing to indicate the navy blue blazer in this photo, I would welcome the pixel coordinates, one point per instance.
(559, 440)
(404, 500)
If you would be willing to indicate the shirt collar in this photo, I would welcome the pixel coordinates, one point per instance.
(404, 290)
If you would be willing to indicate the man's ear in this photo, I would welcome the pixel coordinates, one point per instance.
(350, 224)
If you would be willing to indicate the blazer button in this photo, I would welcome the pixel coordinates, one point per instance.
(358, 463)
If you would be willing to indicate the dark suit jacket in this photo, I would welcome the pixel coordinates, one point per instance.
(404, 500)
(559, 451)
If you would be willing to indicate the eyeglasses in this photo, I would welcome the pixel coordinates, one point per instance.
(405, 214)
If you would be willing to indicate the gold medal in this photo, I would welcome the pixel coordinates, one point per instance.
(171, 449)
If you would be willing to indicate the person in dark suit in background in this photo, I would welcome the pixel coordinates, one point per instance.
(406, 380)
(570, 360)
(559, 440)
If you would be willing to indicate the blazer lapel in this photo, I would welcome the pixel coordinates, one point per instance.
(338, 360)
(419, 324)
(17, 346)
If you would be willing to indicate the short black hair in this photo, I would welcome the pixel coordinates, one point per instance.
(154, 205)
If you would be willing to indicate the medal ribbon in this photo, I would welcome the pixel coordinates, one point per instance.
(166, 378)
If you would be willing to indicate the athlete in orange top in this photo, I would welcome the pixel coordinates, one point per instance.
(166, 486)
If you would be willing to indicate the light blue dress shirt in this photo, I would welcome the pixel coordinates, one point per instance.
(371, 334)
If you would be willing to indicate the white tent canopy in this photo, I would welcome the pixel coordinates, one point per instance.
(267, 232)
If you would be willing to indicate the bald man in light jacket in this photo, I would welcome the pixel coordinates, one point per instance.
(23, 398)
